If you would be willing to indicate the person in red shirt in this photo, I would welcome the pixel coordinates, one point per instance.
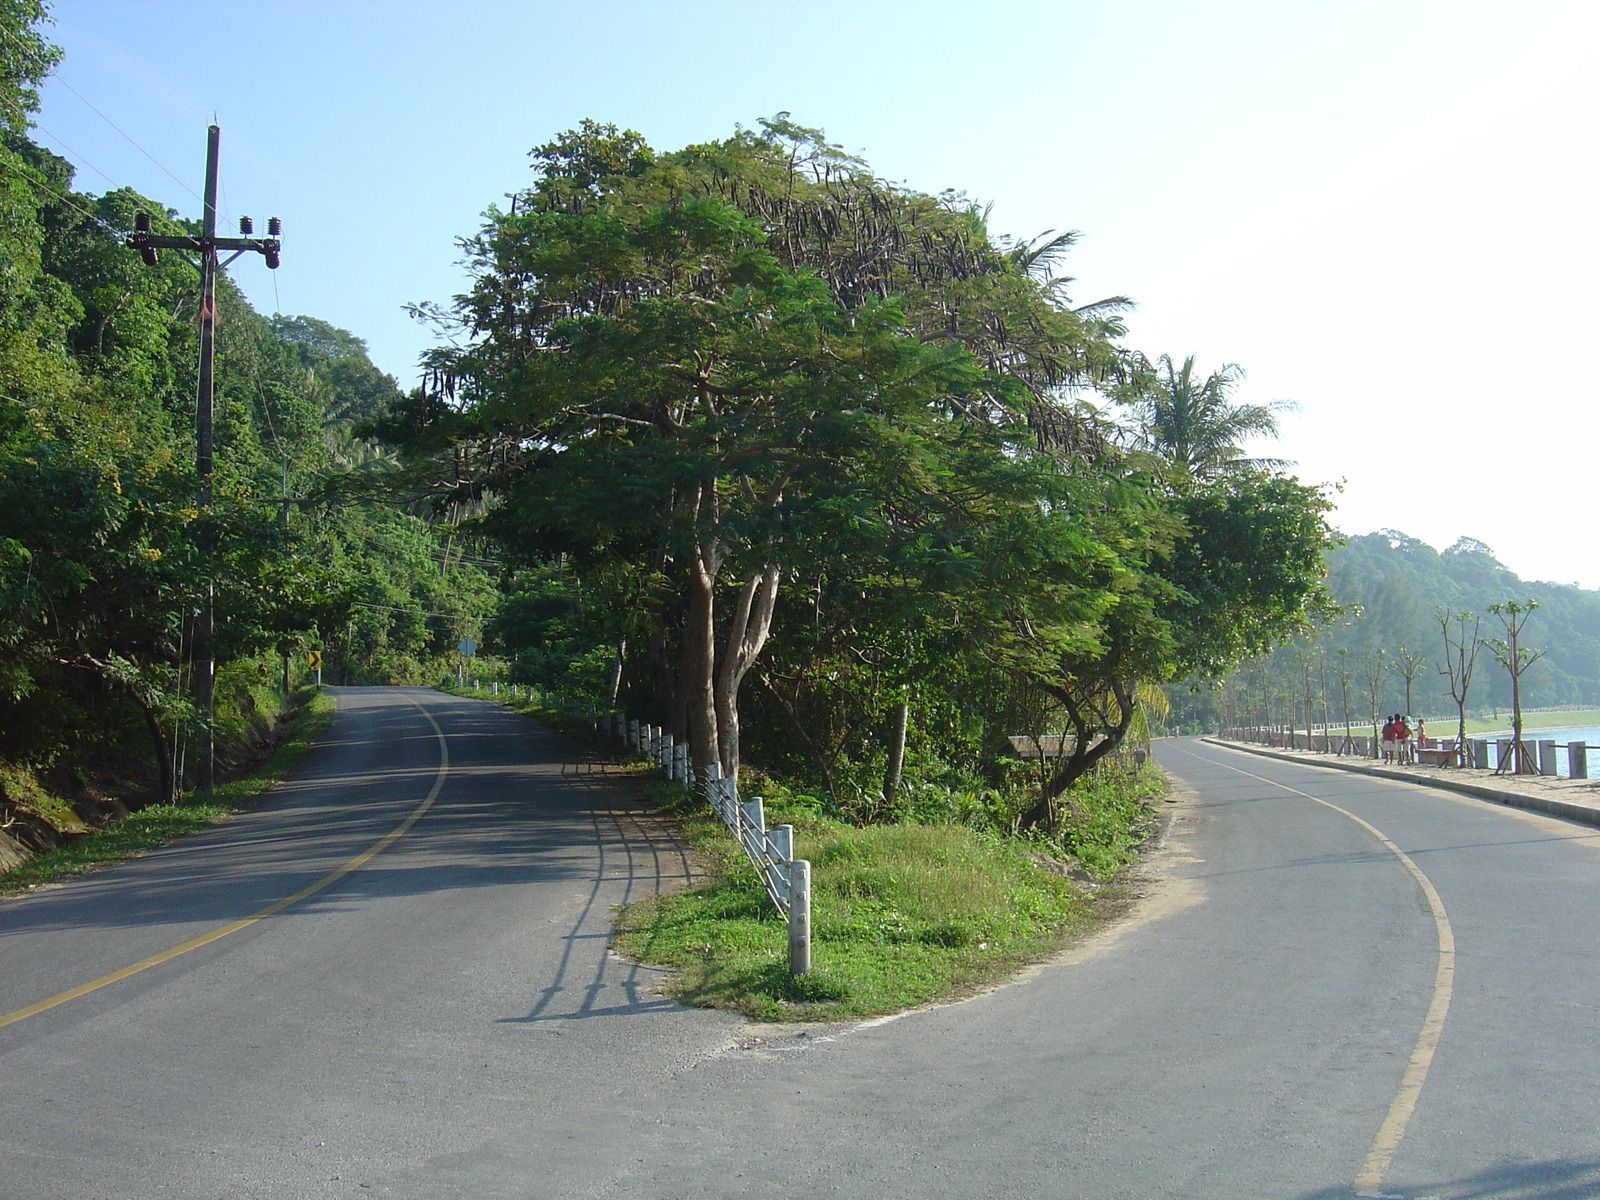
(1388, 740)
(1402, 741)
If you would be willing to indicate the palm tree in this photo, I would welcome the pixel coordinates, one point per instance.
(1194, 423)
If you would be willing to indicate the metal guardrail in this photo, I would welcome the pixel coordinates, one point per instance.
(786, 879)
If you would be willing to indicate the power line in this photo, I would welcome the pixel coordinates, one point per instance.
(45, 187)
(62, 143)
(177, 101)
(56, 75)
(410, 612)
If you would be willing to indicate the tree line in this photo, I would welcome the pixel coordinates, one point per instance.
(1410, 618)
(816, 470)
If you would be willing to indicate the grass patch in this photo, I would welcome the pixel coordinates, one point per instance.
(21, 786)
(1108, 816)
(1502, 723)
(162, 823)
(901, 914)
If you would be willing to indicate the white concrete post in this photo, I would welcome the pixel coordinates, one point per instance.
(1547, 758)
(800, 917)
(1577, 760)
(755, 823)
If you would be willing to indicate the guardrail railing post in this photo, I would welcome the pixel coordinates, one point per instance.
(1577, 760)
(1547, 757)
(799, 917)
(753, 823)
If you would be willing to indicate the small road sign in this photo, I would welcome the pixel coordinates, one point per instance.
(467, 646)
(314, 660)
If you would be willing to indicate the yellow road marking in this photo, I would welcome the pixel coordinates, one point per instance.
(205, 939)
(1393, 1129)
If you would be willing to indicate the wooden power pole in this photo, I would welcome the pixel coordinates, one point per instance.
(206, 245)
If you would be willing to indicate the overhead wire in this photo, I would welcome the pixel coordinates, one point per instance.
(68, 201)
(56, 75)
(62, 143)
(177, 101)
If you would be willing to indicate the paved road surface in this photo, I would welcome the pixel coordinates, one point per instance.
(444, 1020)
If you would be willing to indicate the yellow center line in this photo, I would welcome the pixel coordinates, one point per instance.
(205, 939)
(1393, 1129)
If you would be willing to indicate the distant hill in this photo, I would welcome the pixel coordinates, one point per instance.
(1393, 585)
(1399, 583)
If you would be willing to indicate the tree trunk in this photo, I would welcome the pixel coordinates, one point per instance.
(697, 679)
(1043, 812)
(747, 635)
(897, 751)
(614, 684)
(158, 740)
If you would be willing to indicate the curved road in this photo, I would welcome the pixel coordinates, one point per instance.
(1336, 984)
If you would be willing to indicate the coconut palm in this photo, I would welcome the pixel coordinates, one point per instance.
(1194, 423)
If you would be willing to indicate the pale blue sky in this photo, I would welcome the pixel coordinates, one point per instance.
(1383, 211)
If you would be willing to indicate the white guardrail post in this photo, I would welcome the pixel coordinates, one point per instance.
(786, 879)
(799, 917)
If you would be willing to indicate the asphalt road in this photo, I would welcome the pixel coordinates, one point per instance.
(443, 1020)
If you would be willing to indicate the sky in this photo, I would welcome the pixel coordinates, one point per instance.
(1382, 211)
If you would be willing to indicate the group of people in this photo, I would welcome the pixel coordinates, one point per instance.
(1396, 738)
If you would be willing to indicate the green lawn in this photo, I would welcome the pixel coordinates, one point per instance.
(901, 915)
(1502, 724)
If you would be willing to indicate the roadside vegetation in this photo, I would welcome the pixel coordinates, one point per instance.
(825, 475)
(905, 911)
(84, 848)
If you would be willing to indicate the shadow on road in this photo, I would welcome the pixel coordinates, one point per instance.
(1551, 1179)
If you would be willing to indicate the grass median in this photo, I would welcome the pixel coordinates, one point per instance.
(901, 915)
(162, 823)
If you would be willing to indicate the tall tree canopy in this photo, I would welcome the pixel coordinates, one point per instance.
(1195, 424)
(750, 391)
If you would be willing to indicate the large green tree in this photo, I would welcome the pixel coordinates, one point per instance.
(723, 365)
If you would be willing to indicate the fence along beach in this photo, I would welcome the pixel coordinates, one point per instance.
(1553, 751)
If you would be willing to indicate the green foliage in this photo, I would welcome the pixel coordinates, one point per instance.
(765, 414)
(25, 59)
(159, 824)
(101, 567)
(1193, 424)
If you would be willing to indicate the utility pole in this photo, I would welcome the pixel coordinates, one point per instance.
(206, 245)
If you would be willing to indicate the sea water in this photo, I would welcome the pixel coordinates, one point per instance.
(1589, 734)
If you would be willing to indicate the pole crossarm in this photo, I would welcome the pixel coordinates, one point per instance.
(207, 245)
(140, 241)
